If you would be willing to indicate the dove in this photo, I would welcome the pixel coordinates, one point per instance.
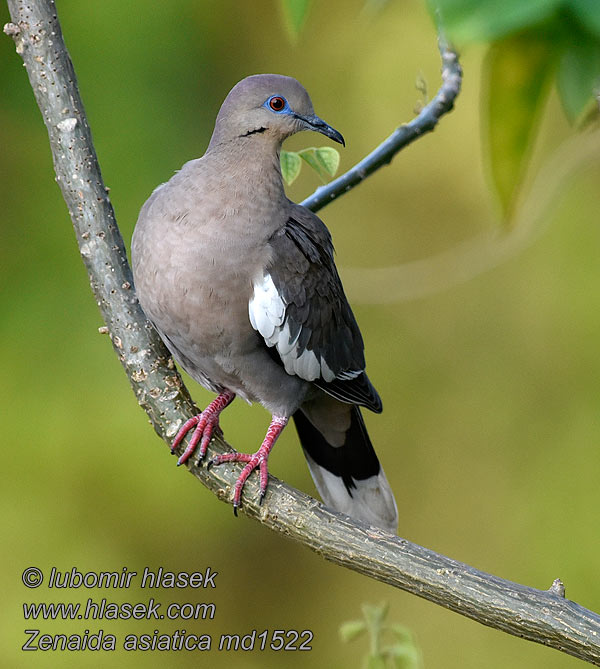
(241, 284)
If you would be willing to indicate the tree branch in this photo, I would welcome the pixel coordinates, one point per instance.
(542, 616)
(425, 122)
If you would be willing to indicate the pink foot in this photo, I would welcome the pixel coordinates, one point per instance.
(205, 424)
(253, 461)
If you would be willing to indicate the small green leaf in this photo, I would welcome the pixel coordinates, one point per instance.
(402, 650)
(402, 657)
(329, 158)
(375, 613)
(310, 158)
(375, 662)
(518, 73)
(480, 20)
(290, 166)
(402, 653)
(294, 16)
(400, 631)
(579, 76)
(352, 629)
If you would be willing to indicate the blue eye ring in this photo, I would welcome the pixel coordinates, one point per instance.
(277, 104)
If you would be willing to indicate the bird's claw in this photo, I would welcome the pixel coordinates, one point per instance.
(205, 424)
(254, 461)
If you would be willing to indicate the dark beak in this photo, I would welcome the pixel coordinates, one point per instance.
(317, 124)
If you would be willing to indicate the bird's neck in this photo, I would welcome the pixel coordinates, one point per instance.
(251, 161)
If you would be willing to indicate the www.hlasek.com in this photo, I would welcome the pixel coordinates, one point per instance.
(104, 609)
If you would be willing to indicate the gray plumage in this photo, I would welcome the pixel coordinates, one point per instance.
(241, 284)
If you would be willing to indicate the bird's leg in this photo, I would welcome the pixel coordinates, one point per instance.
(205, 423)
(258, 459)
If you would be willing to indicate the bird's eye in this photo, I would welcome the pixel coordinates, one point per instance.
(276, 103)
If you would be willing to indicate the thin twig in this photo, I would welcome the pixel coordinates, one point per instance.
(542, 616)
(425, 122)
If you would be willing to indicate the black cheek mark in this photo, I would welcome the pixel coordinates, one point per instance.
(252, 132)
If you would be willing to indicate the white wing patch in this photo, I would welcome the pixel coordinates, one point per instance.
(267, 315)
(266, 309)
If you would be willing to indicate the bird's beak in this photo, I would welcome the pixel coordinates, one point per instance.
(319, 125)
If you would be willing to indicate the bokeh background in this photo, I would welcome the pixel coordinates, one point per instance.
(491, 387)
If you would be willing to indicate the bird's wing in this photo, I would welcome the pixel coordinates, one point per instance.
(300, 309)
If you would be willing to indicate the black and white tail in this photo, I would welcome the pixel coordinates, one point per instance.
(343, 463)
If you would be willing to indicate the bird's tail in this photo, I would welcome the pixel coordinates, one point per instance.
(343, 463)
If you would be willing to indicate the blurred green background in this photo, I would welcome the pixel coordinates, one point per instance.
(491, 387)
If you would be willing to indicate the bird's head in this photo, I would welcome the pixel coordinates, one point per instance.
(268, 105)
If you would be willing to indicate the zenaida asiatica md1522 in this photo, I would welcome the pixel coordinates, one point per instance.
(241, 284)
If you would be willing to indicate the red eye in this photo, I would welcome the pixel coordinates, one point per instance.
(277, 103)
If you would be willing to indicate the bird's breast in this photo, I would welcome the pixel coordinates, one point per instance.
(194, 277)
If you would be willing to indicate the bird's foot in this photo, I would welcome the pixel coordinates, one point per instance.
(253, 461)
(204, 424)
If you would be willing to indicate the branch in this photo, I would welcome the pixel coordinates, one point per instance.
(542, 616)
(425, 122)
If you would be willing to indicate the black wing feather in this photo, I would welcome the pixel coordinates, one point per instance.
(304, 274)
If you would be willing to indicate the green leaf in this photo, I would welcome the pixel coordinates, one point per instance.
(323, 160)
(400, 631)
(481, 20)
(375, 662)
(579, 76)
(290, 166)
(310, 158)
(294, 16)
(404, 650)
(352, 629)
(519, 71)
(588, 13)
(375, 613)
(402, 657)
(329, 159)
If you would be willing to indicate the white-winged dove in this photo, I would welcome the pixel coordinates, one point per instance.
(241, 284)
